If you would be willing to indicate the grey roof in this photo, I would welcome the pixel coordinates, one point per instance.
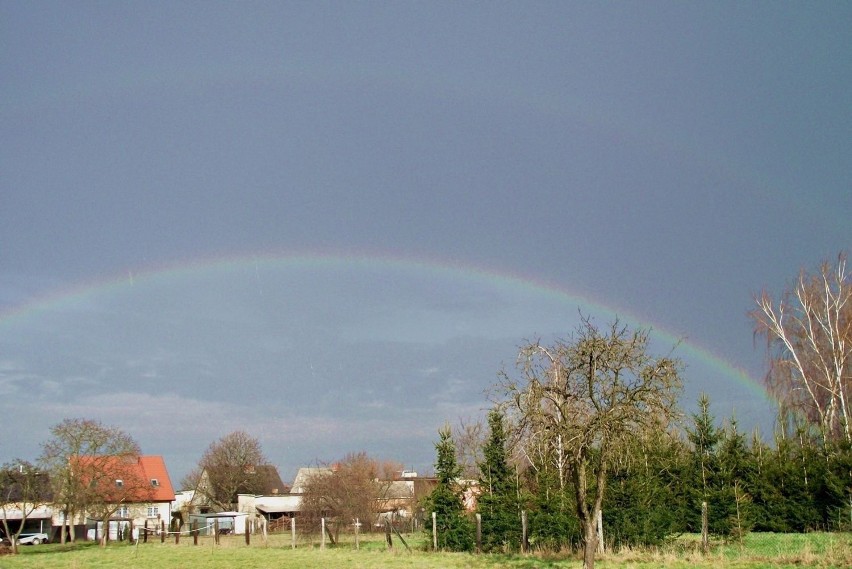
(270, 481)
(305, 474)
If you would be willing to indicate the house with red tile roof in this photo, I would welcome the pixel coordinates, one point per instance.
(127, 491)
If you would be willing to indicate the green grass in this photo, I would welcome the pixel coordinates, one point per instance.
(757, 551)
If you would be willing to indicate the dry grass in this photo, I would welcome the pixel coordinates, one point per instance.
(758, 551)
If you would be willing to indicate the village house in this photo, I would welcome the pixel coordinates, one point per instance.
(132, 492)
(137, 493)
(195, 506)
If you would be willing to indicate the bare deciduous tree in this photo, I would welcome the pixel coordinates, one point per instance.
(346, 490)
(228, 467)
(809, 342)
(72, 479)
(583, 401)
(387, 469)
(23, 488)
(469, 436)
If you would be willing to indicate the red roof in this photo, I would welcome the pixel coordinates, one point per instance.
(154, 468)
(146, 476)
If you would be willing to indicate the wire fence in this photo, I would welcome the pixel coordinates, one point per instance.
(288, 532)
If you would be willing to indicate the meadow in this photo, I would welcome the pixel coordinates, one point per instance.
(828, 550)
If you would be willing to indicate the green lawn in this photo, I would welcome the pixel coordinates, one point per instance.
(759, 550)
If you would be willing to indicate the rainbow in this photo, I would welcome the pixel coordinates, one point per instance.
(317, 261)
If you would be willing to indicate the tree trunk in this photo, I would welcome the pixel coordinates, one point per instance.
(69, 520)
(13, 541)
(590, 542)
(105, 535)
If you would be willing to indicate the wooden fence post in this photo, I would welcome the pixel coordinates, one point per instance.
(293, 532)
(435, 531)
(162, 531)
(479, 533)
(194, 533)
(525, 542)
(144, 533)
(402, 539)
(388, 537)
(705, 537)
(357, 526)
(322, 529)
(216, 531)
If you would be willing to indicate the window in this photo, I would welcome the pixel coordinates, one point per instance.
(153, 511)
(154, 482)
(119, 483)
(123, 512)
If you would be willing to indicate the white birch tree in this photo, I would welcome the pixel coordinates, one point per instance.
(809, 343)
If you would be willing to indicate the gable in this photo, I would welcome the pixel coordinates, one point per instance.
(154, 469)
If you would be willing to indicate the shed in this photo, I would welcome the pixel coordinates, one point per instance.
(228, 522)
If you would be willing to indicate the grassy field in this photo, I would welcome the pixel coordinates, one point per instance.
(759, 550)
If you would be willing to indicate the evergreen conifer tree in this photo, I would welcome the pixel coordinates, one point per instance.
(736, 480)
(766, 494)
(704, 437)
(498, 501)
(552, 521)
(644, 504)
(455, 530)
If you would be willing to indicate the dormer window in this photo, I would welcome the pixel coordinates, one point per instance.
(155, 483)
(119, 483)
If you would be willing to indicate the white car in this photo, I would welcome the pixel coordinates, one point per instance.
(33, 538)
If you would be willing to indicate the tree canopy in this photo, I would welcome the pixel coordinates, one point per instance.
(583, 401)
(80, 458)
(808, 332)
(228, 467)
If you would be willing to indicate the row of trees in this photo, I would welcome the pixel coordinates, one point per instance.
(591, 426)
(655, 490)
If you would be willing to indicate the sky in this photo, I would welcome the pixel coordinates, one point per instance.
(332, 224)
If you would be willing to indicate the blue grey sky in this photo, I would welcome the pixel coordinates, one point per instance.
(332, 223)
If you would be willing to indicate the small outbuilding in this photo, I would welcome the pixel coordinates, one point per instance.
(226, 522)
